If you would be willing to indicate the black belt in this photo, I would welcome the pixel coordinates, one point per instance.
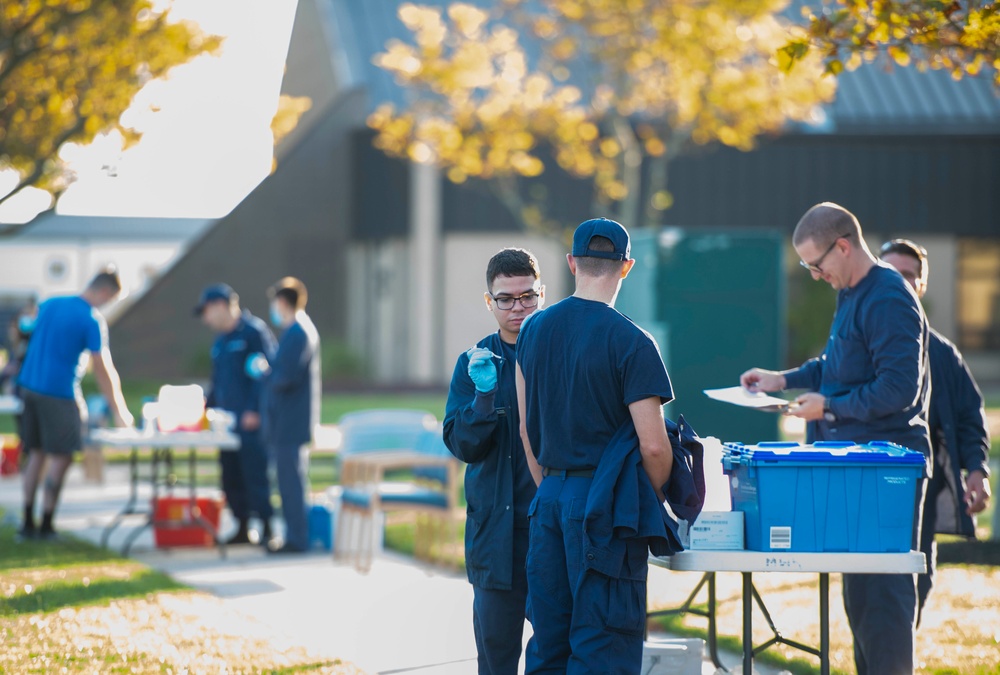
(568, 473)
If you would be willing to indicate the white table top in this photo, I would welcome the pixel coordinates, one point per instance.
(134, 438)
(758, 561)
(10, 405)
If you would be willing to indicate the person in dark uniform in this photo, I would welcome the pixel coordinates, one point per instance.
(584, 373)
(959, 487)
(291, 405)
(872, 383)
(240, 338)
(481, 428)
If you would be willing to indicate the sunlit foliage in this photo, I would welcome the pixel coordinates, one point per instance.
(70, 68)
(602, 85)
(962, 37)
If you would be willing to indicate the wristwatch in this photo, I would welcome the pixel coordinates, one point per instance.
(827, 413)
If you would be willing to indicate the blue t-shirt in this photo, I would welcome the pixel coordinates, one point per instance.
(583, 364)
(66, 327)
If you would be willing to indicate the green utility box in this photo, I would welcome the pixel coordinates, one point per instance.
(714, 300)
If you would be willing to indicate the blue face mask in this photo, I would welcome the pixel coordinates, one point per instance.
(276, 319)
(26, 324)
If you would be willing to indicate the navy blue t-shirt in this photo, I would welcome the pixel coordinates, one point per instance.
(583, 364)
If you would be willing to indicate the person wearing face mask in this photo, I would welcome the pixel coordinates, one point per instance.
(66, 328)
(291, 381)
(240, 340)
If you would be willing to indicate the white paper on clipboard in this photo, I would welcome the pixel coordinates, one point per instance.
(742, 397)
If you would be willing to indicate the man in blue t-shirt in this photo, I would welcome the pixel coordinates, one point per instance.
(54, 412)
(872, 383)
(481, 428)
(240, 338)
(583, 372)
(960, 486)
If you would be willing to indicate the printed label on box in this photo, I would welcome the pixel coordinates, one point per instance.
(781, 537)
(717, 531)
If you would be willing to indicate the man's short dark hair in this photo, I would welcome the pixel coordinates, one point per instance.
(292, 291)
(599, 267)
(909, 248)
(106, 279)
(511, 262)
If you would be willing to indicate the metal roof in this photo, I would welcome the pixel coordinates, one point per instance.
(871, 99)
(53, 226)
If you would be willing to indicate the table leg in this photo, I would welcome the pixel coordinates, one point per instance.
(195, 510)
(747, 623)
(824, 623)
(713, 627)
(133, 497)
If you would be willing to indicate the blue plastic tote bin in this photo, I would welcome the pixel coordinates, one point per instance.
(321, 527)
(829, 496)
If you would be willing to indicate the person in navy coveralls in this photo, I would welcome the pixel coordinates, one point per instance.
(481, 428)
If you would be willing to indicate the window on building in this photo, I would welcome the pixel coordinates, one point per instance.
(978, 293)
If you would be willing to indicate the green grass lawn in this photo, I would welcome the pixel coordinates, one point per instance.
(69, 606)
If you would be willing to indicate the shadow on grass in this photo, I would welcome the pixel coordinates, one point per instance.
(969, 552)
(31, 554)
(674, 625)
(57, 595)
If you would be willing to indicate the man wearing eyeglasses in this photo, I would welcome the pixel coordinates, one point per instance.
(481, 428)
(872, 382)
(958, 430)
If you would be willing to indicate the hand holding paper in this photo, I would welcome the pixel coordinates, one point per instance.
(742, 397)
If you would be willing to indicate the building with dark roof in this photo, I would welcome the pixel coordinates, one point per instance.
(388, 250)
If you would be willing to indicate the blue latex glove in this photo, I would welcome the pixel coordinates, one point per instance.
(257, 366)
(482, 370)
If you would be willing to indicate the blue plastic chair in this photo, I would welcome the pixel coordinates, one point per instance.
(432, 495)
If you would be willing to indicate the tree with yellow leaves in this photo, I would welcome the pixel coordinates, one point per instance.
(70, 68)
(958, 36)
(617, 85)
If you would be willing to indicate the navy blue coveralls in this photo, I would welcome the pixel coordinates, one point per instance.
(244, 473)
(961, 443)
(876, 375)
(291, 411)
(481, 429)
(583, 365)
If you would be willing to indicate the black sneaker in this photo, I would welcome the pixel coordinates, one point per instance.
(27, 533)
(241, 537)
(285, 549)
(48, 534)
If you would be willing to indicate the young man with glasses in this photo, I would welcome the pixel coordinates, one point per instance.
(481, 428)
(872, 383)
(958, 430)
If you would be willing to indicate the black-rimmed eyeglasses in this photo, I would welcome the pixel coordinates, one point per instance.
(527, 300)
(815, 267)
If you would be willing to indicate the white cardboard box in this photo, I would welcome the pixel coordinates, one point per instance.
(715, 531)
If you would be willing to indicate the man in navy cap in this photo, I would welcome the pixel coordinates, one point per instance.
(241, 337)
(584, 374)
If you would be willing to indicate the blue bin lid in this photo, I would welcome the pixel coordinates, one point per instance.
(880, 452)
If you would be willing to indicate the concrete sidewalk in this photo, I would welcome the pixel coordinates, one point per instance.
(400, 617)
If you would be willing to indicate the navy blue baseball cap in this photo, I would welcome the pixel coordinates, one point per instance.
(601, 227)
(213, 293)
